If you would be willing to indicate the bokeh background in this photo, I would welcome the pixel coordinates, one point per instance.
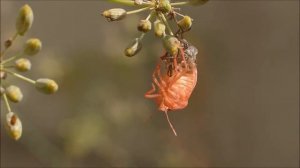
(244, 111)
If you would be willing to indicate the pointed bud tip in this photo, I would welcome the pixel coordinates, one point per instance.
(133, 48)
(47, 86)
(24, 20)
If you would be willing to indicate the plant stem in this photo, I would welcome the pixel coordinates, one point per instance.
(11, 58)
(142, 36)
(20, 76)
(138, 10)
(180, 3)
(6, 103)
(163, 18)
(128, 2)
(124, 2)
(12, 40)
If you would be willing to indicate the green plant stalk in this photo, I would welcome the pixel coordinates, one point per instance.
(6, 102)
(163, 18)
(11, 58)
(5, 50)
(124, 2)
(138, 10)
(20, 76)
(180, 3)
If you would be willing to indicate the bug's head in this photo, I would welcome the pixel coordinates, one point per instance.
(191, 53)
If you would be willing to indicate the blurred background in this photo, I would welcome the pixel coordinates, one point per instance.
(244, 111)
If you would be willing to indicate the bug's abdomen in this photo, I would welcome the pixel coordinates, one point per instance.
(178, 93)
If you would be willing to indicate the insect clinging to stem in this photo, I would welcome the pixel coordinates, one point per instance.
(176, 82)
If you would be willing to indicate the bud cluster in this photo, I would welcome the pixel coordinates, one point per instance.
(14, 65)
(179, 73)
(162, 16)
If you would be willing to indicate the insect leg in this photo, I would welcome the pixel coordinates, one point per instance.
(157, 69)
(183, 57)
(159, 75)
(173, 129)
(150, 94)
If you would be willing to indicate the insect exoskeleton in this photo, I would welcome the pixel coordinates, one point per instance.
(176, 81)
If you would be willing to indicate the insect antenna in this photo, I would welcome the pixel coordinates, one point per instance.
(173, 129)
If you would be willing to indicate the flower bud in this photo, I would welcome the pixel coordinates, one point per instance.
(114, 14)
(23, 65)
(32, 46)
(3, 75)
(8, 43)
(14, 93)
(133, 48)
(2, 90)
(171, 44)
(24, 20)
(144, 26)
(138, 2)
(198, 2)
(159, 28)
(164, 6)
(14, 125)
(185, 23)
(46, 86)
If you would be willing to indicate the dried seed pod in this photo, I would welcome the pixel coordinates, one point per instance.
(144, 26)
(185, 23)
(159, 28)
(23, 64)
(32, 46)
(46, 86)
(14, 125)
(24, 20)
(8, 43)
(114, 14)
(198, 2)
(171, 44)
(133, 48)
(14, 93)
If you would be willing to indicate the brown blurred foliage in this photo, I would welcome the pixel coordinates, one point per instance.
(244, 111)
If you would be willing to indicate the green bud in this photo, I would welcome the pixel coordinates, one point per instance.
(164, 6)
(14, 125)
(198, 2)
(185, 23)
(32, 46)
(133, 48)
(144, 26)
(171, 44)
(23, 65)
(114, 14)
(159, 28)
(24, 20)
(46, 86)
(14, 93)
